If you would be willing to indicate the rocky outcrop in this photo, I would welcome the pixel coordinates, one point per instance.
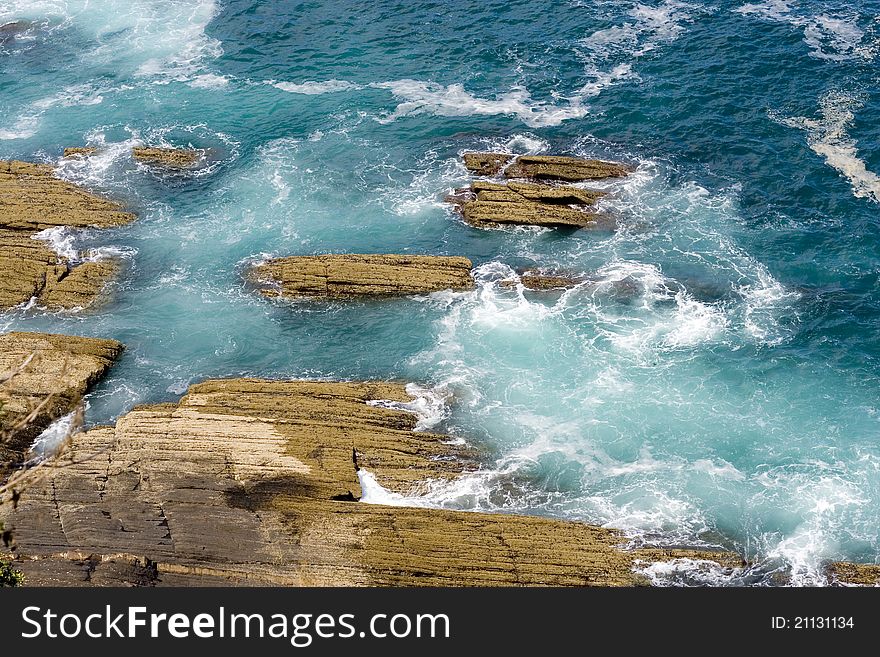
(33, 200)
(855, 573)
(80, 151)
(174, 159)
(169, 158)
(487, 204)
(537, 279)
(45, 375)
(548, 202)
(346, 276)
(12, 29)
(543, 167)
(250, 482)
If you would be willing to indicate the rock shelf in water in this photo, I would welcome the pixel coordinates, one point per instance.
(168, 158)
(353, 275)
(252, 482)
(493, 204)
(543, 167)
(538, 192)
(35, 367)
(32, 199)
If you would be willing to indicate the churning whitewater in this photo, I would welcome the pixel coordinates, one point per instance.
(712, 377)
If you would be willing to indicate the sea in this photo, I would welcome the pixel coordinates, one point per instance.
(714, 381)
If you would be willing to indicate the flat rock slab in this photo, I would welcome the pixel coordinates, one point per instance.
(46, 372)
(489, 204)
(253, 482)
(347, 276)
(169, 158)
(32, 200)
(543, 167)
(174, 159)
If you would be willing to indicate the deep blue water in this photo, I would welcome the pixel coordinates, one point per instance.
(731, 400)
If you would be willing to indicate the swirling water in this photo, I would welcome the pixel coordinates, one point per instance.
(715, 384)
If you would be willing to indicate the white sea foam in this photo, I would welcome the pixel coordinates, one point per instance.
(645, 30)
(313, 88)
(61, 240)
(687, 572)
(828, 137)
(428, 404)
(824, 504)
(210, 81)
(24, 127)
(74, 95)
(836, 38)
(51, 438)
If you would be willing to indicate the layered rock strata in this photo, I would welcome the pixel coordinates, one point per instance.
(346, 276)
(44, 376)
(488, 204)
(33, 200)
(160, 157)
(170, 158)
(543, 167)
(250, 482)
(538, 191)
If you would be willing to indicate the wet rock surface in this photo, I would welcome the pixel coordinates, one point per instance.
(538, 191)
(251, 482)
(33, 200)
(347, 276)
(543, 167)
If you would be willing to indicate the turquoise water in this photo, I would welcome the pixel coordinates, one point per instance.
(715, 385)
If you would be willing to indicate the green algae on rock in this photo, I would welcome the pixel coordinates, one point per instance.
(356, 275)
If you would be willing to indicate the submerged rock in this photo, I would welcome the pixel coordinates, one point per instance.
(32, 200)
(537, 279)
(249, 482)
(340, 276)
(169, 158)
(543, 167)
(46, 375)
(487, 204)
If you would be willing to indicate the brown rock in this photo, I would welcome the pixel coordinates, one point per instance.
(169, 158)
(486, 164)
(249, 482)
(29, 269)
(341, 276)
(36, 367)
(83, 151)
(569, 169)
(855, 573)
(31, 200)
(488, 204)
